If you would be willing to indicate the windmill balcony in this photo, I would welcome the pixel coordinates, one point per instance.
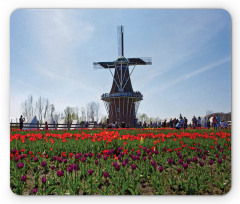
(137, 96)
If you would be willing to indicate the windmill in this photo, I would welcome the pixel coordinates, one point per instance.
(122, 102)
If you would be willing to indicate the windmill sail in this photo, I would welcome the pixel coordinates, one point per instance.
(120, 41)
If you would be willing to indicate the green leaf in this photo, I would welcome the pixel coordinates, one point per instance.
(131, 191)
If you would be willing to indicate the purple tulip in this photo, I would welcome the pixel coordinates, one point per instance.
(120, 149)
(224, 157)
(149, 157)
(119, 157)
(210, 162)
(96, 162)
(138, 153)
(195, 159)
(180, 156)
(179, 170)
(90, 172)
(22, 156)
(54, 158)
(160, 168)
(16, 159)
(123, 163)
(24, 178)
(189, 161)
(85, 155)
(144, 158)
(83, 159)
(170, 161)
(75, 167)
(180, 161)
(105, 157)
(60, 173)
(114, 164)
(35, 191)
(44, 180)
(156, 152)
(52, 167)
(60, 159)
(20, 165)
(122, 154)
(105, 174)
(43, 164)
(201, 163)
(90, 155)
(35, 159)
(185, 165)
(70, 169)
(204, 157)
(144, 149)
(65, 161)
(134, 166)
(14, 151)
(99, 156)
(117, 167)
(217, 155)
(219, 161)
(153, 163)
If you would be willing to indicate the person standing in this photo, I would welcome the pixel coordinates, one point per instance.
(199, 122)
(171, 123)
(214, 122)
(194, 122)
(218, 121)
(205, 121)
(225, 124)
(208, 122)
(21, 120)
(185, 123)
(46, 125)
(181, 121)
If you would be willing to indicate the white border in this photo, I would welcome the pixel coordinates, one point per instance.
(7, 7)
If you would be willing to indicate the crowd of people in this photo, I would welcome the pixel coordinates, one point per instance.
(181, 123)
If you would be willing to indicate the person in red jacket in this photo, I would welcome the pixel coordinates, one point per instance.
(214, 122)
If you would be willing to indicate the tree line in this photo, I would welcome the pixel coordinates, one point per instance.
(43, 108)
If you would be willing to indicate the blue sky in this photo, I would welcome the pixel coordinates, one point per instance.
(52, 51)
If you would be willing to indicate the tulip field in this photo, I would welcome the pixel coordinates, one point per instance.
(155, 161)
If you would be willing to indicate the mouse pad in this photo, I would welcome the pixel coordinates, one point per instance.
(120, 102)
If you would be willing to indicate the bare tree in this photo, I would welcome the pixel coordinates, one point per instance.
(27, 107)
(56, 117)
(46, 108)
(93, 111)
(52, 109)
(83, 114)
(68, 114)
(39, 108)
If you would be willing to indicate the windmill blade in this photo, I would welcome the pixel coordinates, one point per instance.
(120, 41)
(103, 65)
(140, 61)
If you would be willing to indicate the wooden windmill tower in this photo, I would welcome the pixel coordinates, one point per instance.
(122, 102)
